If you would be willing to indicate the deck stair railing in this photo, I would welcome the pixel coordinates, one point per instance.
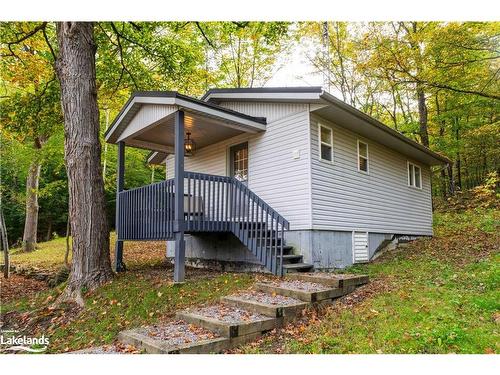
(211, 204)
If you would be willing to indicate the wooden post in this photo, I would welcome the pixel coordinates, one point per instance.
(120, 175)
(179, 266)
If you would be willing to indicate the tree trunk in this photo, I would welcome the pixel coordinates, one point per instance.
(458, 162)
(48, 236)
(31, 220)
(91, 265)
(422, 117)
(4, 245)
(68, 246)
(451, 179)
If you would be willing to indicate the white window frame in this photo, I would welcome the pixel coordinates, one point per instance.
(408, 163)
(367, 158)
(325, 143)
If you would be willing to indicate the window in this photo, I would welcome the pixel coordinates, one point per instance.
(414, 176)
(326, 143)
(362, 157)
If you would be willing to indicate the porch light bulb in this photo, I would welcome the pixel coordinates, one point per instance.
(189, 145)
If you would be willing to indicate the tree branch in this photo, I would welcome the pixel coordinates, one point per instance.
(204, 35)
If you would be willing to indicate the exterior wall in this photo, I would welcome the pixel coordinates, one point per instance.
(330, 249)
(380, 202)
(323, 249)
(275, 174)
(221, 251)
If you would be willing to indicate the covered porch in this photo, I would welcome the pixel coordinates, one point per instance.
(191, 202)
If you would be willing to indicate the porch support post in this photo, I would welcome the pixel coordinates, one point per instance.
(179, 266)
(120, 175)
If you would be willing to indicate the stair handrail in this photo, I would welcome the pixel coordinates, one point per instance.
(254, 196)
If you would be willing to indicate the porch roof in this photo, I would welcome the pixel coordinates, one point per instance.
(147, 121)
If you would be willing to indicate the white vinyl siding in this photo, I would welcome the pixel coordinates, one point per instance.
(275, 174)
(380, 202)
(360, 252)
(363, 165)
(414, 176)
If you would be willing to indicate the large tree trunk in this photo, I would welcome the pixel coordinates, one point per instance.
(31, 219)
(91, 264)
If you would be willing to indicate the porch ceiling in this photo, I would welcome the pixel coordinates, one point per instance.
(160, 137)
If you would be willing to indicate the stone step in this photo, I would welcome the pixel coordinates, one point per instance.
(229, 329)
(320, 293)
(290, 308)
(297, 267)
(331, 279)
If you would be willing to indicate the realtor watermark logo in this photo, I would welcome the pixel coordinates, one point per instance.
(11, 342)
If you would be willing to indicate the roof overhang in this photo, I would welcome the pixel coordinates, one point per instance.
(349, 117)
(156, 158)
(273, 94)
(177, 101)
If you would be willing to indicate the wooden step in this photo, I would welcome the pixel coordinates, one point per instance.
(291, 309)
(291, 258)
(141, 340)
(297, 267)
(228, 329)
(320, 294)
(331, 279)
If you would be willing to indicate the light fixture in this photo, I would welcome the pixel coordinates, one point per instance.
(189, 145)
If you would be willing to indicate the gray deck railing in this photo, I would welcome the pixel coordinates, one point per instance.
(147, 212)
(211, 204)
(206, 202)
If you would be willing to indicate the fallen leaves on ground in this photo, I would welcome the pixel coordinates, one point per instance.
(17, 286)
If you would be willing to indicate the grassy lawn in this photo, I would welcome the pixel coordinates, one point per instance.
(50, 255)
(132, 299)
(438, 295)
(143, 295)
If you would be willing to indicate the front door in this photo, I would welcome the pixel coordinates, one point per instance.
(238, 158)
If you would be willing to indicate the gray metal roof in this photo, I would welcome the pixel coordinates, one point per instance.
(299, 89)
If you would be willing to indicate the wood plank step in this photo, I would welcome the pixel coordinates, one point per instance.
(321, 293)
(142, 340)
(331, 279)
(297, 267)
(257, 324)
(291, 259)
(291, 307)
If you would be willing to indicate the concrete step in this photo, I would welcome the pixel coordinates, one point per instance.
(297, 267)
(287, 249)
(312, 295)
(331, 279)
(229, 329)
(289, 308)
